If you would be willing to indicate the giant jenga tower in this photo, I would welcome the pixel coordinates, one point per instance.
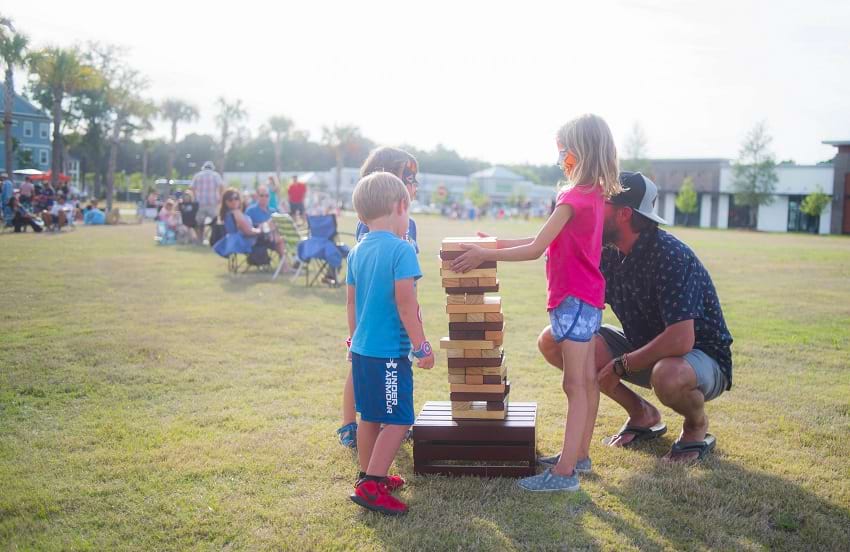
(478, 432)
(476, 361)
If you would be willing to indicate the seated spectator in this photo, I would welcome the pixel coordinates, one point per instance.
(21, 217)
(169, 215)
(241, 235)
(188, 216)
(260, 215)
(7, 192)
(60, 214)
(93, 215)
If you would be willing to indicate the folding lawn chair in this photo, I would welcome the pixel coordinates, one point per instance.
(292, 235)
(323, 251)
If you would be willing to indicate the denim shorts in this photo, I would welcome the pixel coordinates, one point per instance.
(710, 379)
(575, 320)
(383, 389)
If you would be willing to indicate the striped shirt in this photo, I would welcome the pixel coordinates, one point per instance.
(207, 186)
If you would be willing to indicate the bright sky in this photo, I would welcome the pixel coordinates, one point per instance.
(492, 80)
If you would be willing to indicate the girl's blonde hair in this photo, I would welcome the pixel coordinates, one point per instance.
(590, 140)
(377, 194)
(386, 159)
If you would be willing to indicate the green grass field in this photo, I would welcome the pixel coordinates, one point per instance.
(149, 401)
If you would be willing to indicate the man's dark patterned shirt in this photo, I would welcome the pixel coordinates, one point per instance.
(662, 282)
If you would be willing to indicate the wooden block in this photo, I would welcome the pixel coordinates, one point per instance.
(490, 304)
(498, 405)
(488, 281)
(501, 371)
(461, 405)
(471, 353)
(494, 335)
(478, 380)
(469, 282)
(491, 353)
(473, 371)
(458, 290)
(446, 343)
(474, 273)
(455, 353)
(465, 299)
(485, 264)
(472, 317)
(451, 282)
(488, 379)
(479, 414)
(474, 362)
(453, 244)
(487, 397)
(460, 317)
(459, 372)
(456, 334)
(454, 378)
(472, 326)
(491, 317)
(450, 255)
(464, 388)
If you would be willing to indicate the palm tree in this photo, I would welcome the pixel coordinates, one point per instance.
(13, 51)
(59, 72)
(176, 111)
(228, 114)
(147, 147)
(130, 112)
(280, 126)
(339, 139)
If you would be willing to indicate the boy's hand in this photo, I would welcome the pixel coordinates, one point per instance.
(426, 363)
(470, 260)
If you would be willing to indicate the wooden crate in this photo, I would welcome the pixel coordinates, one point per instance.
(486, 448)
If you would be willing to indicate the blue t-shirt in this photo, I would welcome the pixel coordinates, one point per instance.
(257, 215)
(94, 216)
(362, 230)
(374, 265)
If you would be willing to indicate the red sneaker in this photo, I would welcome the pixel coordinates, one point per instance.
(373, 495)
(394, 482)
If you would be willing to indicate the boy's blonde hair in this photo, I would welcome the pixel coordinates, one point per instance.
(590, 140)
(386, 159)
(377, 194)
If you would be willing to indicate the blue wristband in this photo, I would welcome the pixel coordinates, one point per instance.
(423, 351)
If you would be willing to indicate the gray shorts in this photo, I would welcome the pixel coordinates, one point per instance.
(710, 379)
(205, 211)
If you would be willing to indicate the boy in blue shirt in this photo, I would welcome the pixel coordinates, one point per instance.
(403, 165)
(386, 333)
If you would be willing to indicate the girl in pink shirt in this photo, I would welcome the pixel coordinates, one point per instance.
(572, 241)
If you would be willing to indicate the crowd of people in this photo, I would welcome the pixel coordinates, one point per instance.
(238, 221)
(41, 207)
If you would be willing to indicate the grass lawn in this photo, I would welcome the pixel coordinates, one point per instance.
(150, 401)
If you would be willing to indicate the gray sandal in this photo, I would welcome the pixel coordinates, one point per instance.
(704, 447)
(640, 433)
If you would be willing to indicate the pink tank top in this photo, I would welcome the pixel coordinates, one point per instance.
(572, 264)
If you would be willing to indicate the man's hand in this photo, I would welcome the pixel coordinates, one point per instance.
(426, 363)
(608, 380)
(470, 260)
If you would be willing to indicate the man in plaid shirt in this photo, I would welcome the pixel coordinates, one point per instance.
(208, 187)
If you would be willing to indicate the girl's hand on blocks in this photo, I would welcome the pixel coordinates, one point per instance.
(470, 260)
(426, 363)
(608, 379)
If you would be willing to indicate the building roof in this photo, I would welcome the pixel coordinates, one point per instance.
(836, 143)
(499, 173)
(22, 106)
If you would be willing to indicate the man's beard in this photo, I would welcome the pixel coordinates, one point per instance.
(610, 234)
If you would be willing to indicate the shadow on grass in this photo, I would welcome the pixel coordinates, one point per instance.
(716, 505)
(721, 504)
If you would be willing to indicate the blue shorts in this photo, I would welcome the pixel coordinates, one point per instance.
(575, 320)
(383, 389)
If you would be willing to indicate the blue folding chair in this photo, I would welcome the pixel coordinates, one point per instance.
(323, 251)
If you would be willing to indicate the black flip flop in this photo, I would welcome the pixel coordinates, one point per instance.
(640, 433)
(700, 447)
